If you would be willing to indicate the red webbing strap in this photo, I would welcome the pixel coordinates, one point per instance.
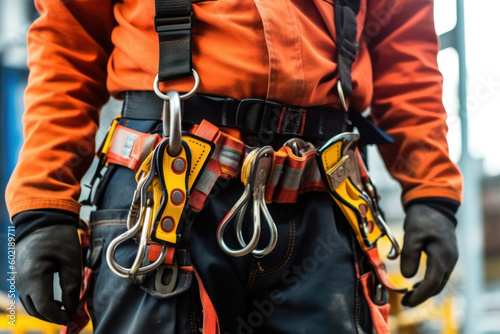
(129, 148)
(379, 313)
(207, 130)
(225, 162)
(279, 161)
(293, 175)
(81, 317)
(210, 319)
(379, 269)
(362, 167)
(154, 253)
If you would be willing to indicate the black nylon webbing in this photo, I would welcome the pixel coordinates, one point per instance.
(173, 25)
(311, 122)
(347, 47)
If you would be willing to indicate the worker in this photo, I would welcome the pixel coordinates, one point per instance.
(308, 61)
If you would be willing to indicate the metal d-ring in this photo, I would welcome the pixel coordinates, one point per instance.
(341, 95)
(172, 122)
(395, 250)
(184, 96)
(296, 144)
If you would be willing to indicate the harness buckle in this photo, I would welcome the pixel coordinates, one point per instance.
(259, 117)
(163, 24)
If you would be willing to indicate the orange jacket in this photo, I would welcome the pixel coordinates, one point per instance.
(82, 50)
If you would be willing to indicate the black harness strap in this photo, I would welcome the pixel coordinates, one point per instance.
(173, 21)
(259, 117)
(346, 28)
(173, 24)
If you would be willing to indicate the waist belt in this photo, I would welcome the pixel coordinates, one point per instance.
(255, 116)
(279, 176)
(294, 172)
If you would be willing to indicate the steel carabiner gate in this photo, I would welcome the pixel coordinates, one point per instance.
(255, 174)
(148, 199)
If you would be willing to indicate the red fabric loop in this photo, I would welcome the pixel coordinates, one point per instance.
(154, 253)
(379, 313)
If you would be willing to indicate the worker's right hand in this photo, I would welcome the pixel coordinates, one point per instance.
(430, 231)
(39, 255)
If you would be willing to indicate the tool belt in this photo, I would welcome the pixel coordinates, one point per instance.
(268, 176)
(292, 174)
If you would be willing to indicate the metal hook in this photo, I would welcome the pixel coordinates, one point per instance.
(240, 208)
(156, 87)
(273, 231)
(395, 249)
(135, 269)
(343, 101)
(172, 122)
(144, 222)
(296, 144)
(255, 175)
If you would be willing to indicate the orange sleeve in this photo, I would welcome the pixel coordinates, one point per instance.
(68, 49)
(407, 99)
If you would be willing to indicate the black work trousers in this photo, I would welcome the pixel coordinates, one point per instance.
(308, 283)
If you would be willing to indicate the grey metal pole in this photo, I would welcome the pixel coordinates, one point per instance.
(470, 215)
(14, 20)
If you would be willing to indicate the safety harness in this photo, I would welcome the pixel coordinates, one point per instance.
(177, 172)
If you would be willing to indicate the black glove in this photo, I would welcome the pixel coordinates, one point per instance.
(429, 230)
(40, 254)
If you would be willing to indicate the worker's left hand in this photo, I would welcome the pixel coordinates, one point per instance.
(430, 231)
(40, 254)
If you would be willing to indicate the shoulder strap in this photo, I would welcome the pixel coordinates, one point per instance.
(347, 47)
(173, 25)
(173, 21)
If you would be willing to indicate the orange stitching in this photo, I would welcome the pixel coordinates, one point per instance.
(108, 220)
(176, 41)
(185, 255)
(100, 222)
(251, 279)
(109, 224)
(304, 115)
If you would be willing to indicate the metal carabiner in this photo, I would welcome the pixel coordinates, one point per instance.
(296, 145)
(132, 272)
(258, 199)
(172, 122)
(395, 249)
(342, 99)
(255, 174)
(239, 208)
(143, 221)
(143, 199)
